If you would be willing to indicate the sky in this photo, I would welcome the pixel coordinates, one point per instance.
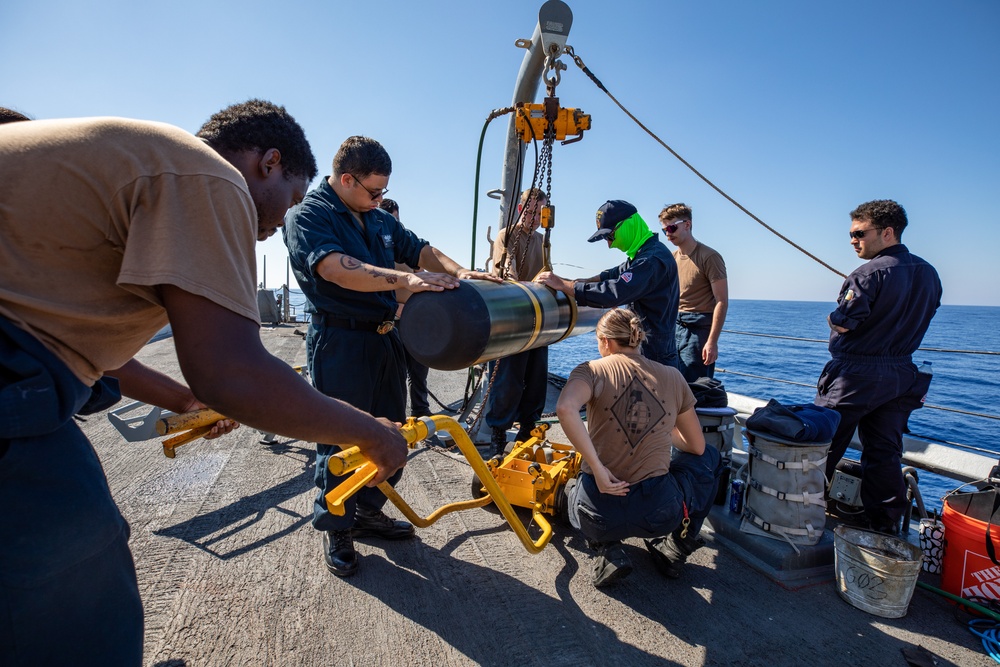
(800, 111)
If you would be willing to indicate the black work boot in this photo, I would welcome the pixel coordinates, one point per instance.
(524, 432)
(375, 523)
(671, 552)
(611, 565)
(499, 442)
(339, 553)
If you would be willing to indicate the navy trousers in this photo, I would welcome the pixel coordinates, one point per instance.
(68, 591)
(416, 377)
(368, 371)
(692, 334)
(654, 507)
(876, 397)
(518, 391)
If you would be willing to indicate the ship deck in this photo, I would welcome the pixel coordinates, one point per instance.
(231, 573)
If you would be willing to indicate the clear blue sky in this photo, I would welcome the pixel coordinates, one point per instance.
(800, 110)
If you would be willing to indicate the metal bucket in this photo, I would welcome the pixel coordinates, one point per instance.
(876, 573)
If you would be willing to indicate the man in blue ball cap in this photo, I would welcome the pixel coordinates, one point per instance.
(646, 282)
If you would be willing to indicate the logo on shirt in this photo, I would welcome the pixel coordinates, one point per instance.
(387, 240)
(849, 295)
(627, 276)
(637, 412)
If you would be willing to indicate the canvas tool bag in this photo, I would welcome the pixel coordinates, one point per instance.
(786, 489)
(719, 427)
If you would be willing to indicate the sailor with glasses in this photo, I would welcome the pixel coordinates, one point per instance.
(704, 295)
(883, 311)
(343, 249)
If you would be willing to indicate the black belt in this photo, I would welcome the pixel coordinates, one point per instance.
(358, 325)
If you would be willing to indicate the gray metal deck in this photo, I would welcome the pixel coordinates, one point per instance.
(231, 574)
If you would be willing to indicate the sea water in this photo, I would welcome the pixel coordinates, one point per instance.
(759, 357)
(765, 366)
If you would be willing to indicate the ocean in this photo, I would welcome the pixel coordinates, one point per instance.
(757, 357)
(765, 367)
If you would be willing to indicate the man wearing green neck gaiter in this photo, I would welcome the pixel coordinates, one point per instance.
(646, 282)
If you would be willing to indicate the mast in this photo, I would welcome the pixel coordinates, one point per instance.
(554, 21)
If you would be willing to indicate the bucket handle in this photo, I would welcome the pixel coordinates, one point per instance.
(990, 549)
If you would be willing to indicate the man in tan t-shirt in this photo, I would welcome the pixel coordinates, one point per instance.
(112, 228)
(519, 385)
(704, 295)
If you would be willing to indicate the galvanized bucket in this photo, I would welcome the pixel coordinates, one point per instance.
(876, 573)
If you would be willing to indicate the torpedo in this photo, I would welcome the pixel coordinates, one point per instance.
(481, 321)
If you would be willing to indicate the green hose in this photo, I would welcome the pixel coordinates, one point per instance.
(496, 113)
(968, 603)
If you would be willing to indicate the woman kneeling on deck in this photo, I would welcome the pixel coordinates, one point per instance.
(637, 411)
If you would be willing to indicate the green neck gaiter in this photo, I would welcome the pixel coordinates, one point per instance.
(631, 234)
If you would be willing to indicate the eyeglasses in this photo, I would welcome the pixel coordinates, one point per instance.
(375, 194)
(860, 233)
(670, 229)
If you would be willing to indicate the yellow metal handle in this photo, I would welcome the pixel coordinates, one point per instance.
(187, 420)
(337, 497)
(414, 431)
(170, 443)
(344, 462)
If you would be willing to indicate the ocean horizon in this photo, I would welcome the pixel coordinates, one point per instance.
(777, 349)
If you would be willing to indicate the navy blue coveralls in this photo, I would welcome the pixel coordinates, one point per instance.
(648, 284)
(654, 507)
(63, 542)
(886, 305)
(348, 359)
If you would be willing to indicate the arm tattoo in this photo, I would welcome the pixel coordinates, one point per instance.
(378, 273)
(349, 263)
(352, 264)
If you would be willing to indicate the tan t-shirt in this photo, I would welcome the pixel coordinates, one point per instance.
(524, 256)
(97, 212)
(632, 413)
(695, 274)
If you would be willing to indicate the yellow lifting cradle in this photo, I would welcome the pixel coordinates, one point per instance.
(532, 475)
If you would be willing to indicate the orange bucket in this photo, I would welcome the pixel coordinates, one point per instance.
(967, 570)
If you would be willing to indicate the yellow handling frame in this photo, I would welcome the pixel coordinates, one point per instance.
(532, 475)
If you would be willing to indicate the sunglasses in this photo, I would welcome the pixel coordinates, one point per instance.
(375, 194)
(860, 233)
(670, 229)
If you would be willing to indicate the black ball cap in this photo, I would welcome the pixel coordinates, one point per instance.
(611, 213)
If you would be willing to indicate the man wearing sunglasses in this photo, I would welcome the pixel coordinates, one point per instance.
(647, 281)
(343, 250)
(704, 295)
(883, 311)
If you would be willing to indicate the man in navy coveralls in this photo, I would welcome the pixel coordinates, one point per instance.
(343, 249)
(646, 282)
(883, 311)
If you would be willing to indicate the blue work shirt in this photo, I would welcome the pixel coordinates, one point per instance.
(321, 225)
(648, 284)
(886, 305)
